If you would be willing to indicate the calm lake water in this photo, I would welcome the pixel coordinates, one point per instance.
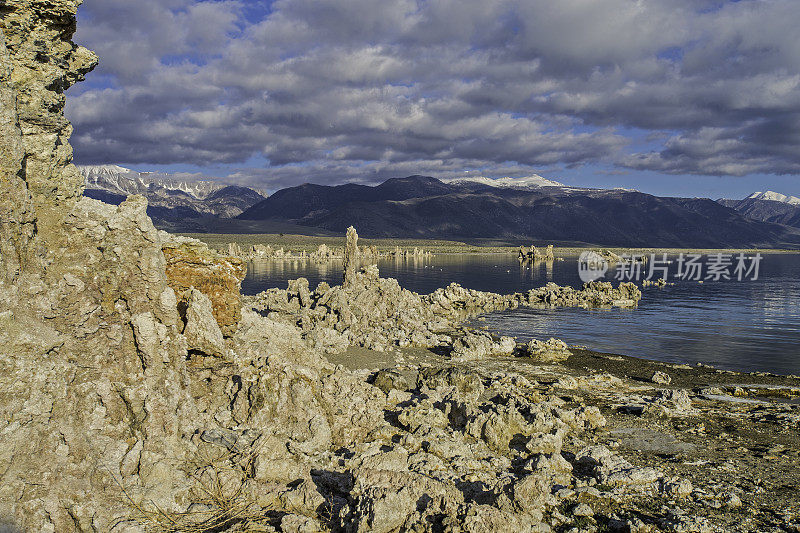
(737, 325)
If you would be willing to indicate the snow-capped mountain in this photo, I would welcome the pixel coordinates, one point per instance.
(169, 195)
(775, 197)
(768, 206)
(528, 182)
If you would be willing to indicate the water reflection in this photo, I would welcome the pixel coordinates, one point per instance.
(537, 270)
(747, 325)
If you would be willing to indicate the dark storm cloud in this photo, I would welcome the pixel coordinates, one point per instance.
(336, 89)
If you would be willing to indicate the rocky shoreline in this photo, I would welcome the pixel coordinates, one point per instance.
(139, 391)
(723, 444)
(541, 436)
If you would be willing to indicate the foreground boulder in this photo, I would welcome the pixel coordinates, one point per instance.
(94, 392)
(480, 344)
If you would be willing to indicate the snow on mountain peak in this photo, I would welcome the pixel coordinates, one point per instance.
(88, 170)
(124, 181)
(775, 197)
(527, 182)
(171, 191)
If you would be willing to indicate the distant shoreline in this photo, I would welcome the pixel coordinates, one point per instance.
(299, 243)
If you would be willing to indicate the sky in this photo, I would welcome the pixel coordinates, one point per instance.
(670, 97)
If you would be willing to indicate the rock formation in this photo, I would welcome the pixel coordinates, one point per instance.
(38, 62)
(549, 351)
(190, 263)
(323, 253)
(535, 254)
(377, 313)
(94, 390)
(351, 254)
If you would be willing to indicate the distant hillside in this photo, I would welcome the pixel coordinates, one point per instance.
(169, 197)
(768, 206)
(424, 207)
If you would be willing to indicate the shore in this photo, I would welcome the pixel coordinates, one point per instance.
(732, 452)
(300, 243)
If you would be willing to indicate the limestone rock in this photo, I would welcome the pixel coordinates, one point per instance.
(377, 313)
(535, 254)
(44, 63)
(550, 351)
(480, 344)
(304, 499)
(669, 403)
(193, 264)
(467, 384)
(327, 340)
(351, 254)
(388, 380)
(679, 488)
(17, 223)
(612, 469)
(201, 330)
(661, 378)
(96, 392)
(292, 523)
(582, 509)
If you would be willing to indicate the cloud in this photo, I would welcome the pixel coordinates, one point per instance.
(335, 89)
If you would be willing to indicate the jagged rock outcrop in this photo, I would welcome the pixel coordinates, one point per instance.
(94, 386)
(481, 344)
(550, 351)
(370, 311)
(200, 327)
(535, 254)
(93, 389)
(44, 64)
(190, 263)
(377, 313)
(322, 254)
(17, 223)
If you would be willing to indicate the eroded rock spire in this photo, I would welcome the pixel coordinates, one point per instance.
(351, 256)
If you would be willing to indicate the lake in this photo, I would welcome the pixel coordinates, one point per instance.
(748, 325)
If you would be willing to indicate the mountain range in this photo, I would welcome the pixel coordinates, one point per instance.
(528, 209)
(171, 197)
(768, 206)
(469, 209)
